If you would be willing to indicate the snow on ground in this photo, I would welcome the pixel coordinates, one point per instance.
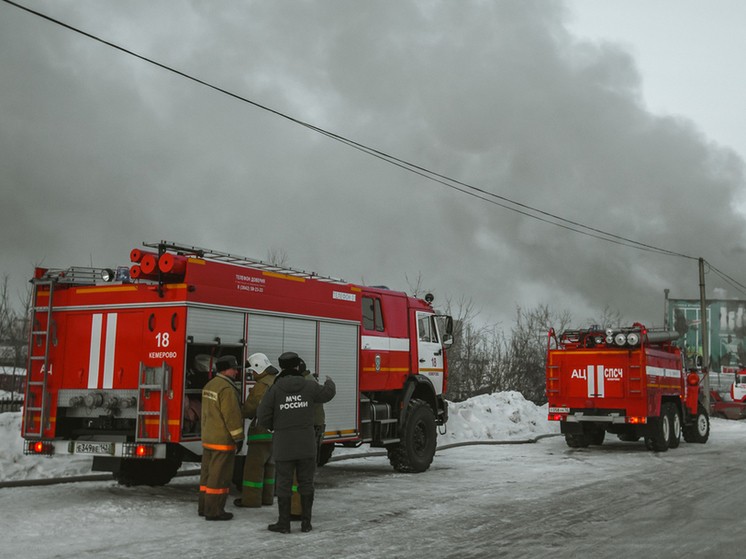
(503, 416)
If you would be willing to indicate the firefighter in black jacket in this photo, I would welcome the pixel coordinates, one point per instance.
(222, 438)
(287, 408)
(318, 427)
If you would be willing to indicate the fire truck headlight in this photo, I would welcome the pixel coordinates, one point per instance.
(633, 338)
(620, 339)
(107, 275)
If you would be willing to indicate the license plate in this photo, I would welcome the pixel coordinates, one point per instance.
(559, 410)
(94, 448)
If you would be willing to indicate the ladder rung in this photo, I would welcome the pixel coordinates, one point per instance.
(39, 332)
(152, 387)
(147, 412)
(33, 409)
(37, 357)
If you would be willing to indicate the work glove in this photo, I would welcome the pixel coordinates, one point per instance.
(239, 446)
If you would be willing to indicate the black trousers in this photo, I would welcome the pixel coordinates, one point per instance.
(304, 470)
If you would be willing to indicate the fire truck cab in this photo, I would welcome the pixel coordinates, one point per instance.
(118, 357)
(629, 382)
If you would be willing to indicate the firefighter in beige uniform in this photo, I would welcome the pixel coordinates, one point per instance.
(259, 468)
(222, 438)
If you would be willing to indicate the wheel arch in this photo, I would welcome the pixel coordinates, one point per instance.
(417, 386)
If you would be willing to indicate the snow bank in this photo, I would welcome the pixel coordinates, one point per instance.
(14, 465)
(499, 416)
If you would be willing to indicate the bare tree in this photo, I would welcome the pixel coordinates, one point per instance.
(14, 332)
(475, 359)
(528, 350)
(415, 286)
(610, 318)
(277, 257)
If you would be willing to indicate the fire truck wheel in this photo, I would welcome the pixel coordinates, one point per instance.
(578, 440)
(325, 452)
(674, 434)
(597, 437)
(660, 432)
(699, 431)
(415, 451)
(146, 472)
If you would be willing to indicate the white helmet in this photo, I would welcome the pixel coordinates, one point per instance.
(258, 363)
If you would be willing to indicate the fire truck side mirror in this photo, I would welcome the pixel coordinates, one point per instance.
(698, 361)
(448, 335)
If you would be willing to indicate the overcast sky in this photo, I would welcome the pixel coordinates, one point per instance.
(620, 115)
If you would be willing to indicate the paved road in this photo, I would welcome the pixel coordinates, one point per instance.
(540, 500)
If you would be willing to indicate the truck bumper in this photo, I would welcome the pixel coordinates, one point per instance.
(111, 449)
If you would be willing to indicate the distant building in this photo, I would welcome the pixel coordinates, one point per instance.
(726, 321)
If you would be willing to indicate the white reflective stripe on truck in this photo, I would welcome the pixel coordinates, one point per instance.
(381, 343)
(595, 378)
(111, 340)
(93, 360)
(661, 372)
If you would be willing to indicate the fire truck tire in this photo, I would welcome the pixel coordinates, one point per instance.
(578, 440)
(699, 431)
(674, 434)
(418, 438)
(597, 437)
(660, 432)
(325, 453)
(146, 472)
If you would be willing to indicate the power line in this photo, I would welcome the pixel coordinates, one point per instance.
(496, 199)
(727, 279)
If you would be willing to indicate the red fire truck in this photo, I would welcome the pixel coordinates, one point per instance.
(630, 382)
(118, 357)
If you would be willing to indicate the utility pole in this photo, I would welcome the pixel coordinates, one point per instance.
(703, 331)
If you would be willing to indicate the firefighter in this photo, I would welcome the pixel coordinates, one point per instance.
(222, 438)
(319, 425)
(287, 409)
(259, 468)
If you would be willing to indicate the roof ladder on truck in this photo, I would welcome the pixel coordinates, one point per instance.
(37, 400)
(153, 380)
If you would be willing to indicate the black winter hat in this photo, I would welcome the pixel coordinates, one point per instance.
(227, 362)
(289, 360)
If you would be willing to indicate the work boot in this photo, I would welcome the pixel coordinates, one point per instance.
(238, 502)
(306, 504)
(222, 516)
(283, 522)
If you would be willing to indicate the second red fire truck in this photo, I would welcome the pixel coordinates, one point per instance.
(630, 382)
(118, 357)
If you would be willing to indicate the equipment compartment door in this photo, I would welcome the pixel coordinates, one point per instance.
(429, 350)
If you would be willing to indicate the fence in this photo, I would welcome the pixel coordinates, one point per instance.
(10, 405)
